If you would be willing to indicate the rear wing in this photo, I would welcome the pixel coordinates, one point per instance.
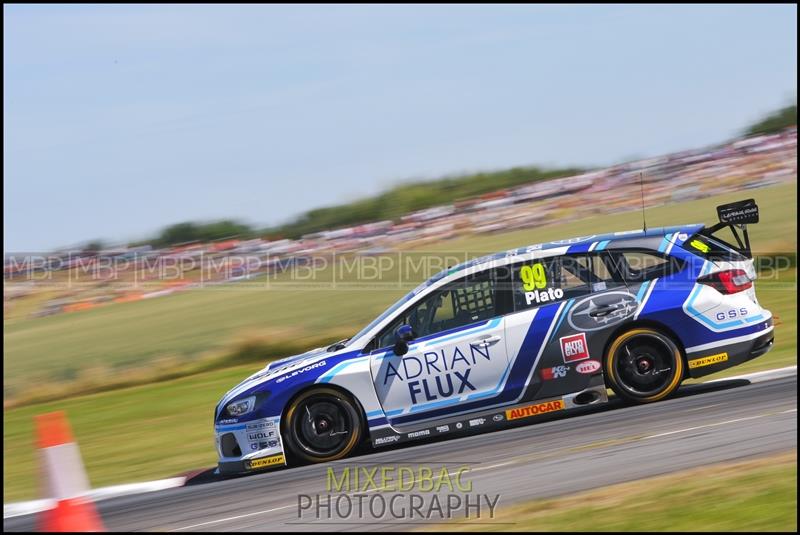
(736, 215)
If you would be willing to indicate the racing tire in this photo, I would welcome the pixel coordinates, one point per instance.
(643, 365)
(322, 424)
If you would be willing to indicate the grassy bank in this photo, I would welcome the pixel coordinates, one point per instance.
(756, 495)
(125, 343)
(218, 336)
(127, 435)
(162, 429)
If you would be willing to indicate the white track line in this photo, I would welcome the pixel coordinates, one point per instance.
(715, 424)
(757, 377)
(30, 507)
(26, 508)
(217, 521)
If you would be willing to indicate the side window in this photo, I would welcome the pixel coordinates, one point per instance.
(548, 280)
(640, 266)
(459, 303)
(576, 275)
(607, 274)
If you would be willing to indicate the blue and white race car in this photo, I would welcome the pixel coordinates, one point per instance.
(511, 337)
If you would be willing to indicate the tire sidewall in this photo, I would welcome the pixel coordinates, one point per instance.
(610, 360)
(293, 449)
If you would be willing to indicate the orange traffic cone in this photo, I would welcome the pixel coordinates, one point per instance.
(65, 479)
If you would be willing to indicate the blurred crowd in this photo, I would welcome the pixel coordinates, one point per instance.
(751, 162)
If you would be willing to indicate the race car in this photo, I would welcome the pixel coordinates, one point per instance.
(508, 338)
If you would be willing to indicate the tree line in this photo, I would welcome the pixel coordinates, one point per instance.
(401, 199)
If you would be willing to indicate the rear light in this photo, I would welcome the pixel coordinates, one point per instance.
(728, 282)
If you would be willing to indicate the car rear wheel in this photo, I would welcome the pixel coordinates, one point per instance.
(322, 424)
(644, 365)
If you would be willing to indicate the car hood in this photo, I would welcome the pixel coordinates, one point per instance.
(276, 369)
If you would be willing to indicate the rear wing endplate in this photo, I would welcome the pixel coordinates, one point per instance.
(736, 215)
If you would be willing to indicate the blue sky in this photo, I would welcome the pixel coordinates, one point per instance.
(120, 120)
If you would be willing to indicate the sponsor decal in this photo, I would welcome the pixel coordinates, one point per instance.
(738, 212)
(534, 282)
(588, 366)
(497, 417)
(574, 347)
(443, 428)
(598, 312)
(266, 461)
(599, 287)
(387, 440)
(534, 410)
(258, 435)
(266, 426)
(683, 236)
(301, 370)
(459, 425)
(700, 246)
(556, 372)
(542, 296)
(573, 240)
(627, 232)
(477, 421)
(258, 425)
(229, 421)
(439, 374)
(708, 361)
(732, 313)
(422, 433)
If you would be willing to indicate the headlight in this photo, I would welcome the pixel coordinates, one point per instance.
(243, 406)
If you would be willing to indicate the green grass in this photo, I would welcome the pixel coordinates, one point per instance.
(85, 347)
(127, 435)
(776, 231)
(160, 429)
(757, 495)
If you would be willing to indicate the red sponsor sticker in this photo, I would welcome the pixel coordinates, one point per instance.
(574, 347)
(533, 410)
(556, 372)
(589, 366)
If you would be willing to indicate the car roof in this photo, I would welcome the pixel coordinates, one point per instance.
(677, 235)
(572, 243)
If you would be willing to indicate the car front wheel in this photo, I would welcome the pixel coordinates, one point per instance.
(322, 424)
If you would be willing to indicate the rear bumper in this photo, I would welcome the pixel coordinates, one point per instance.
(726, 356)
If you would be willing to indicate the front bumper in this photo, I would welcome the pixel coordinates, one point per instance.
(249, 446)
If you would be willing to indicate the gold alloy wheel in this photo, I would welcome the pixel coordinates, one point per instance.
(322, 424)
(644, 365)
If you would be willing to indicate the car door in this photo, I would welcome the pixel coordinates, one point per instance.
(457, 356)
(551, 346)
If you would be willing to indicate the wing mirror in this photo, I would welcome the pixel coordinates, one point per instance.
(402, 336)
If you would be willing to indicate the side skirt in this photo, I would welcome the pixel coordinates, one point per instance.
(497, 418)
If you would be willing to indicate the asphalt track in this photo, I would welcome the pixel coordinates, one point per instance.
(705, 424)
